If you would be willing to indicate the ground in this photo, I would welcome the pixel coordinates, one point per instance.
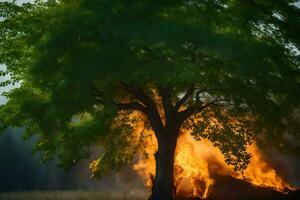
(75, 195)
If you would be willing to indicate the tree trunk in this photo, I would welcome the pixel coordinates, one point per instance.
(163, 187)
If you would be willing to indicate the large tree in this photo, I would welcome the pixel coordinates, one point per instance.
(87, 69)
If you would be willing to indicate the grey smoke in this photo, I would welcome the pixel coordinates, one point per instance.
(20, 170)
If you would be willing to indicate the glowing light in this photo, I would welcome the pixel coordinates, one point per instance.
(197, 161)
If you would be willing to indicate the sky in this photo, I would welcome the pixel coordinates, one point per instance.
(20, 170)
(2, 99)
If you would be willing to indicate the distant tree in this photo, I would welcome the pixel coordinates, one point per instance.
(226, 69)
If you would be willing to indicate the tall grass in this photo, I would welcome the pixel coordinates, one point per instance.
(76, 195)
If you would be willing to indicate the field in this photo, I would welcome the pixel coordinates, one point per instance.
(75, 195)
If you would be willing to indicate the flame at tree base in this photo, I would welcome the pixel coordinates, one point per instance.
(196, 163)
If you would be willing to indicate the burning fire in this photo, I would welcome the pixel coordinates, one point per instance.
(196, 162)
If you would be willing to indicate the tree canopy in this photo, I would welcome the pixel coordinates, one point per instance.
(230, 69)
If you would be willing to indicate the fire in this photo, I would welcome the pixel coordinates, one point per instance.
(191, 174)
(196, 163)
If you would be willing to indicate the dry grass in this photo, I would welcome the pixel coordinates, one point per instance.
(75, 195)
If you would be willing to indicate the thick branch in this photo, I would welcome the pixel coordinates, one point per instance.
(152, 112)
(131, 106)
(187, 95)
(120, 106)
(183, 115)
(167, 102)
(125, 106)
(138, 93)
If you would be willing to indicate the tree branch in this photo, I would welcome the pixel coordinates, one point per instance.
(126, 106)
(131, 106)
(120, 106)
(187, 95)
(138, 93)
(183, 115)
(165, 93)
(152, 112)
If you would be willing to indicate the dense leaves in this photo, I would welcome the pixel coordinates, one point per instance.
(78, 61)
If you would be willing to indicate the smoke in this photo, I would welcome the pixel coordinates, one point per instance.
(20, 170)
(287, 166)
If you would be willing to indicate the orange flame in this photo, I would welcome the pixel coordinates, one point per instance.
(197, 161)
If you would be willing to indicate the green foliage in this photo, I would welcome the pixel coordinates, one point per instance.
(230, 132)
(244, 52)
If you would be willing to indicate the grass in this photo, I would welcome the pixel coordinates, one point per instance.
(75, 195)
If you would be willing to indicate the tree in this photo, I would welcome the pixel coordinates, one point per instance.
(226, 69)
